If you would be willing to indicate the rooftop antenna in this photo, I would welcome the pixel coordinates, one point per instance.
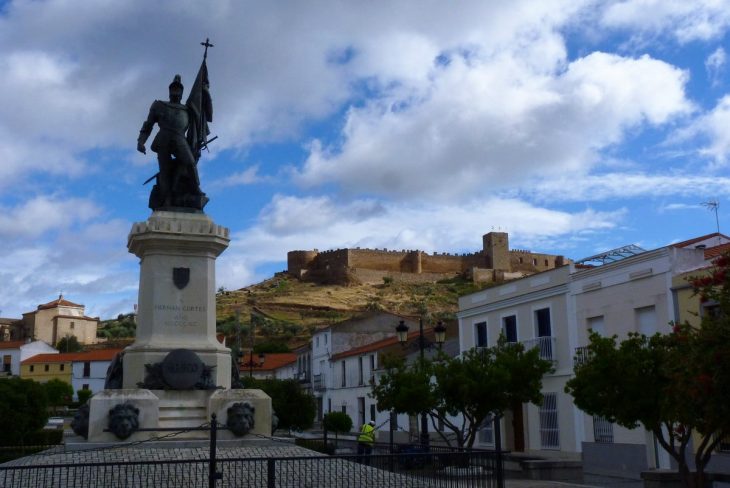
(713, 205)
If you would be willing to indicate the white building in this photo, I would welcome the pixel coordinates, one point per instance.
(281, 366)
(88, 369)
(15, 352)
(338, 338)
(630, 292)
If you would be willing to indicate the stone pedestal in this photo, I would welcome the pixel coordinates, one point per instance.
(221, 400)
(189, 377)
(176, 307)
(102, 402)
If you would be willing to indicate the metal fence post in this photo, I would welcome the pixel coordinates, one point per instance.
(498, 450)
(271, 473)
(212, 473)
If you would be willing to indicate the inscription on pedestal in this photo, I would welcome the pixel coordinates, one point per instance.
(180, 316)
(182, 369)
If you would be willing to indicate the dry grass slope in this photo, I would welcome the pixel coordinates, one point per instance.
(294, 309)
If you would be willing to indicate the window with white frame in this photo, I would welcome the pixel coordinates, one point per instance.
(343, 383)
(602, 430)
(486, 431)
(543, 333)
(360, 373)
(549, 429)
(509, 328)
(543, 325)
(480, 334)
(597, 325)
(646, 320)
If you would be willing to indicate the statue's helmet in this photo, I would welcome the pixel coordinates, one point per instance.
(177, 83)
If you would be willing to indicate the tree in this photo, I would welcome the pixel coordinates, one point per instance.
(294, 407)
(23, 409)
(482, 382)
(58, 392)
(676, 385)
(84, 395)
(337, 422)
(69, 344)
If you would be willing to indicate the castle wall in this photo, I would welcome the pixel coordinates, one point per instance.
(394, 261)
(492, 263)
(374, 276)
(451, 263)
(532, 262)
(297, 262)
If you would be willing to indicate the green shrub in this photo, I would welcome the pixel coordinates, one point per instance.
(337, 422)
(23, 410)
(84, 396)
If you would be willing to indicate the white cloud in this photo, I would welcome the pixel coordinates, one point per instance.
(612, 186)
(248, 176)
(685, 20)
(82, 78)
(715, 65)
(42, 214)
(291, 223)
(711, 128)
(679, 206)
(491, 123)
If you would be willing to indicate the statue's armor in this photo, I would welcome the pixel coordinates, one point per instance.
(177, 162)
(173, 121)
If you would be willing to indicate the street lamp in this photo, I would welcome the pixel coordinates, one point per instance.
(251, 364)
(440, 335)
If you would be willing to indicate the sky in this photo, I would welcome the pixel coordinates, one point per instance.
(577, 126)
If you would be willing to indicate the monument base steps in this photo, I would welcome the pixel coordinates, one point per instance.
(182, 410)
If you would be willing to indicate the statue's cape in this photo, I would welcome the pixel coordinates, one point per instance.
(200, 106)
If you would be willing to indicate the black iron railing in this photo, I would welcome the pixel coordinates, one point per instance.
(463, 469)
(389, 465)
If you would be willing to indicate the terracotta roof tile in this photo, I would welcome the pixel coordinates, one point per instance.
(70, 357)
(382, 344)
(272, 361)
(689, 242)
(11, 344)
(60, 301)
(713, 252)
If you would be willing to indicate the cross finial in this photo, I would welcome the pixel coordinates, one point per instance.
(207, 44)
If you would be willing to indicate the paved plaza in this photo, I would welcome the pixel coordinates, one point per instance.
(188, 467)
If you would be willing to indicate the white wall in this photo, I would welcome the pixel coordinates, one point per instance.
(96, 378)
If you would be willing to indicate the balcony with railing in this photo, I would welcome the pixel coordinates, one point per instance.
(546, 346)
(582, 354)
(303, 377)
(318, 383)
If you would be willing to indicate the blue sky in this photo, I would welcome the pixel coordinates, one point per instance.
(576, 126)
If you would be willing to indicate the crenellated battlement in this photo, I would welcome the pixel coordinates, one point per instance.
(487, 264)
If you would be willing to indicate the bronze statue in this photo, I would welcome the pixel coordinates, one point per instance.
(182, 136)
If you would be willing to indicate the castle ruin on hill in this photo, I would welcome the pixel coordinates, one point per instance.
(495, 262)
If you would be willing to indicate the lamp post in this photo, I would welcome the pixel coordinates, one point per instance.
(251, 364)
(440, 335)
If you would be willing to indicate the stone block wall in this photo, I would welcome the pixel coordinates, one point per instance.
(342, 265)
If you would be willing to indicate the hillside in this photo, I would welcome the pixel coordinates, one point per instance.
(289, 310)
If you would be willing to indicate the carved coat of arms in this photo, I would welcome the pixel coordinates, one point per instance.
(181, 277)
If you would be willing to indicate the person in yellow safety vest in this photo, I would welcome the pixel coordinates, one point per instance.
(365, 440)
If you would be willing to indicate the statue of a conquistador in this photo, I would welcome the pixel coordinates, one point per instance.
(182, 136)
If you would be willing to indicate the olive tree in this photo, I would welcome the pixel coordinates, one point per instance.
(462, 392)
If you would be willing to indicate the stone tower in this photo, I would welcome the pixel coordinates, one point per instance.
(496, 250)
